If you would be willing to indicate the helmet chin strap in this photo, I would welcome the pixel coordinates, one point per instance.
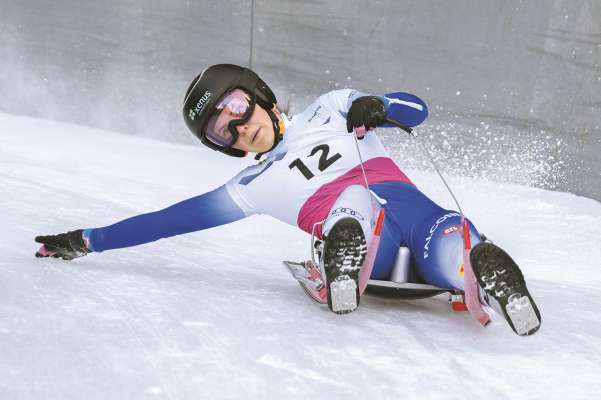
(278, 130)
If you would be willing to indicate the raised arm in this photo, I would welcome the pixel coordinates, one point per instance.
(364, 111)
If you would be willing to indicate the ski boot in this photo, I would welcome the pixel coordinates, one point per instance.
(343, 255)
(503, 282)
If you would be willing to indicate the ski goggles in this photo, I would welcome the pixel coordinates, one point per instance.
(233, 109)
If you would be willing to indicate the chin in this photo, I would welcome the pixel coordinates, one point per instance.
(268, 146)
(265, 146)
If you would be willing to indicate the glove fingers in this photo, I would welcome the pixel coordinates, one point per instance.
(353, 122)
(371, 121)
(368, 112)
(359, 120)
(48, 239)
(41, 239)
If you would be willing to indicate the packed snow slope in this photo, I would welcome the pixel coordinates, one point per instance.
(213, 314)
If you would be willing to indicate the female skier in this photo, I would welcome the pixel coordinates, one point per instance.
(313, 174)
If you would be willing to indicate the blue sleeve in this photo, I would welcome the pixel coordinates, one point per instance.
(197, 213)
(405, 108)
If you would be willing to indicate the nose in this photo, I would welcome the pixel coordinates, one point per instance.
(242, 129)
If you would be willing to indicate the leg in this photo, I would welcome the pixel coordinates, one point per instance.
(437, 249)
(436, 245)
(388, 250)
(406, 207)
(438, 254)
(344, 231)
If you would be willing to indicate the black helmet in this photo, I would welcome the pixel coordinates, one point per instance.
(207, 88)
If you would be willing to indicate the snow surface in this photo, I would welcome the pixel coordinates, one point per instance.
(213, 314)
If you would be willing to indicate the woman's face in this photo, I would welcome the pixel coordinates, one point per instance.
(256, 135)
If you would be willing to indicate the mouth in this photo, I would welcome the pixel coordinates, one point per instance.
(255, 135)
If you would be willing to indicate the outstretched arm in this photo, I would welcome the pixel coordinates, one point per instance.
(201, 212)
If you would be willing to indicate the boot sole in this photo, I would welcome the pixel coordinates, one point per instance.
(344, 253)
(502, 279)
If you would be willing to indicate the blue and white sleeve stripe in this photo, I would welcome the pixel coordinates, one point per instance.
(405, 108)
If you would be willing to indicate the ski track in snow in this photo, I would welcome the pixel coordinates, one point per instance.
(214, 314)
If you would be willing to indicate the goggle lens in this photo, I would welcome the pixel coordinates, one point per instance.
(234, 108)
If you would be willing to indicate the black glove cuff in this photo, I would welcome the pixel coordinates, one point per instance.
(77, 242)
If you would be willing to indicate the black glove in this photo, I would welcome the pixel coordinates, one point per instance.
(67, 246)
(367, 111)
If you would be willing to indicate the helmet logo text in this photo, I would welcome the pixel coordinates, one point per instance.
(199, 105)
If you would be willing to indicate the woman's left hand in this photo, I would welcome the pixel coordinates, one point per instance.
(366, 112)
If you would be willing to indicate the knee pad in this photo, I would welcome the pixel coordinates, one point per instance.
(355, 202)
